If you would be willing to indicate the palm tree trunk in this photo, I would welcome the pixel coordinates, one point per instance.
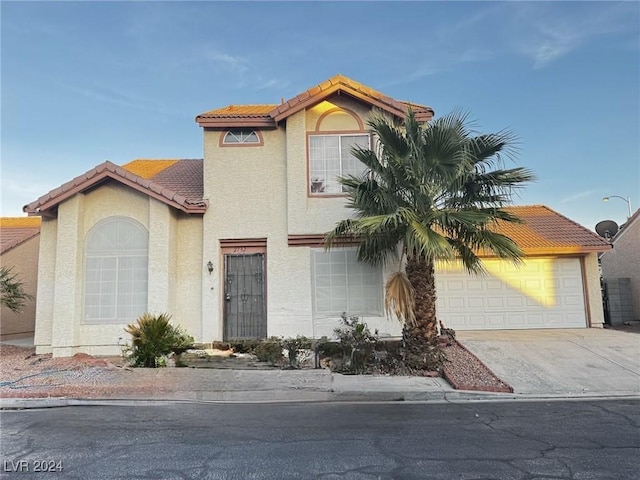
(421, 339)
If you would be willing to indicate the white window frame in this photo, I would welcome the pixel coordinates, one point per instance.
(241, 137)
(318, 184)
(335, 275)
(116, 276)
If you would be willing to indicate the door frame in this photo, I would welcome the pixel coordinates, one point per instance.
(241, 246)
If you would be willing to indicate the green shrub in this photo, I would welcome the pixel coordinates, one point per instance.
(153, 337)
(358, 345)
(293, 346)
(269, 351)
(245, 345)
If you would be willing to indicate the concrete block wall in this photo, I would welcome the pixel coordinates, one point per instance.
(620, 300)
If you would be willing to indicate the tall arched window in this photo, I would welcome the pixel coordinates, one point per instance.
(116, 271)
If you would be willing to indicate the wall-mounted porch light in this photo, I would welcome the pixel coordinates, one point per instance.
(210, 267)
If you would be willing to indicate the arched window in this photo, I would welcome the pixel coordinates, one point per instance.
(241, 137)
(116, 271)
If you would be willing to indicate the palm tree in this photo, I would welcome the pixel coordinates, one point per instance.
(431, 192)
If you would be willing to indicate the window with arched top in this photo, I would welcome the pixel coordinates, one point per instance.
(330, 157)
(116, 271)
(241, 137)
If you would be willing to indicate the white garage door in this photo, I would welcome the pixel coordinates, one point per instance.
(542, 293)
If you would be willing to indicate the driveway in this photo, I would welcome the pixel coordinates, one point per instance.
(587, 361)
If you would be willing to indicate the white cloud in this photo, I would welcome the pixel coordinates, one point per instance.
(577, 196)
(547, 32)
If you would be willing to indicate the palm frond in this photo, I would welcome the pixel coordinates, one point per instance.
(399, 298)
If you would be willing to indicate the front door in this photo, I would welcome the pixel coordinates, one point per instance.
(245, 314)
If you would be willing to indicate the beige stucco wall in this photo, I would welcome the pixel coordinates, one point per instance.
(593, 292)
(173, 288)
(261, 192)
(246, 190)
(624, 261)
(308, 214)
(23, 261)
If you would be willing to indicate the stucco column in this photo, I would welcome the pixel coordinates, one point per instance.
(46, 286)
(211, 316)
(161, 260)
(67, 303)
(593, 291)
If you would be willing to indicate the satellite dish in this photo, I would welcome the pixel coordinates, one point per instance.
(607, 228)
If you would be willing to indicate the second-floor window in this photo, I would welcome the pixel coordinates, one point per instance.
(241, 137)
(330, 157)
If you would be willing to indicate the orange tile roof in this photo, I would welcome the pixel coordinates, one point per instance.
(17, 230)
(147, 168)
(269, 115)
(20, 222)
(236, 111)
(546, 232)
(340, 83)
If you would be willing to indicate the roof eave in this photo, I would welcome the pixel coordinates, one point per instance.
(236, 122)
(46, 205)
(292, 106)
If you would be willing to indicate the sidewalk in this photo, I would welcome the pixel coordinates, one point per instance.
(63, 382)
(268, 386)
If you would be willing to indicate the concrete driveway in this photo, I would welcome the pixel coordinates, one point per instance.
(590, 362)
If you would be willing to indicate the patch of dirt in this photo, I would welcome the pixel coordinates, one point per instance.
(633, 327)
(23, 374)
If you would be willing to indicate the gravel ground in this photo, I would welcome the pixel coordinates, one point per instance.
(23, 374)
(464, 371)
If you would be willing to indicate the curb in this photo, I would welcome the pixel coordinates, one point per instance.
(284, 397)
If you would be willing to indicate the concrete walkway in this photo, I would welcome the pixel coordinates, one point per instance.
(566, 362)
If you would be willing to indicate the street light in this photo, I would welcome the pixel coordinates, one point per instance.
(628, 200)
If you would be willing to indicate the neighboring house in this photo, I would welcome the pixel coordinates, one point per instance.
(232, 245)
(19, 243)
(623, 262)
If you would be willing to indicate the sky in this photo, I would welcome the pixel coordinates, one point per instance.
(85, 82)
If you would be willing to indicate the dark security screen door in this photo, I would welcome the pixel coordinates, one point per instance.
(244, 310)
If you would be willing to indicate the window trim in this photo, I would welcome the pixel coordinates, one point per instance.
(90, 232)
(224, 133)
(328, 133)
(335, 314)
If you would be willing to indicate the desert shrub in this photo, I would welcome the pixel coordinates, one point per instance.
(358, 346)
(153, 337)
(269, 350)
(12, 294)
(245, 345)
(294, 346)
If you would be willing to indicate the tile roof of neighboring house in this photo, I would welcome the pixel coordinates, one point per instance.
(176, 183)
(269, 115)
(546, 232)
(17, 230)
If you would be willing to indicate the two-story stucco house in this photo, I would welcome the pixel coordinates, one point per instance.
(232, 245)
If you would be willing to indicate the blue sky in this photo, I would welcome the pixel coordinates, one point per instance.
(85, 82)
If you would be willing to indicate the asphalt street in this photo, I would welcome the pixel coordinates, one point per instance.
(497, 440)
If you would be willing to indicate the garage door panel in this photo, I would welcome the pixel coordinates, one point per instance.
(477, 320)
(492, 284)
(545, 293)
(515, 320)
(475, 302)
